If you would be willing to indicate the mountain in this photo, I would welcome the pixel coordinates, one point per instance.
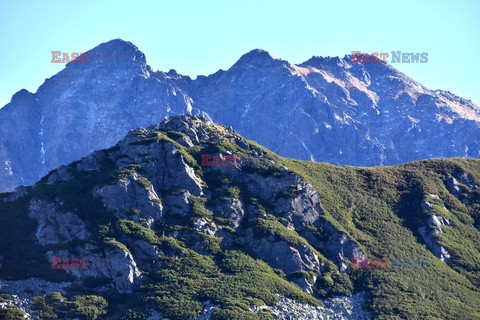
(325, 109)
(150, 230)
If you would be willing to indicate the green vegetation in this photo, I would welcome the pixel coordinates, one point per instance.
(116, 244)
(378, 208)
(5, 297)
(271, 226)
(198, 207)
(144, 182)
(137, 231)
(12, 314)
(230, 279)
(381, 209)
(85, 307)
(234, 192)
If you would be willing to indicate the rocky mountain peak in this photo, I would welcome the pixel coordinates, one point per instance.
(325, 109)
(258, 58)
(114, 51)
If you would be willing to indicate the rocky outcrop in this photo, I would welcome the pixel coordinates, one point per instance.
(457, 190)
(133, 193)
(55, 226)
(111, 263)
(283, 255)
(429, 232)
(342, 308)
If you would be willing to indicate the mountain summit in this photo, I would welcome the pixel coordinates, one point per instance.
(325, 109)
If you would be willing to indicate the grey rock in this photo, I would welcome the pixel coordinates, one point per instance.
(429, 232)
(178, 202)
(205, 225)
(207, 311)
(55, 226)
(113, 263)
(129, 194)
(303, 283)
(338, 308)
(61, 174)
(427, 206)
(233, 209)
(282, 255)
(452, 186)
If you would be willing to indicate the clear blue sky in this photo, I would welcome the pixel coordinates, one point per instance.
(200, 37)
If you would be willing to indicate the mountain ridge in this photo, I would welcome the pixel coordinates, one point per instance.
(338, 112)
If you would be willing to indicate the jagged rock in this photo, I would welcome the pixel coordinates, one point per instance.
(61, 174)
(233, 209)
(205, 226)
(283, 255)
(299, 224)
(207, 311)
(467, 180)
(55, 226)
(131, 193)
(434, 227)
(112, 263)
(452, 186)
(427, 206)
(170, 170)
(144, 253)
(178, 202)
(303, 283)
(91, 162)
(304, 209)
(341, 308)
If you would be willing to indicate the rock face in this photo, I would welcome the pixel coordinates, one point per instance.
(148, 177)
(341, 308)
(434, 227)
(325, 109)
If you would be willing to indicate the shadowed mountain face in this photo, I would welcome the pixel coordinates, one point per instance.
(161, 236)
(325, 109)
